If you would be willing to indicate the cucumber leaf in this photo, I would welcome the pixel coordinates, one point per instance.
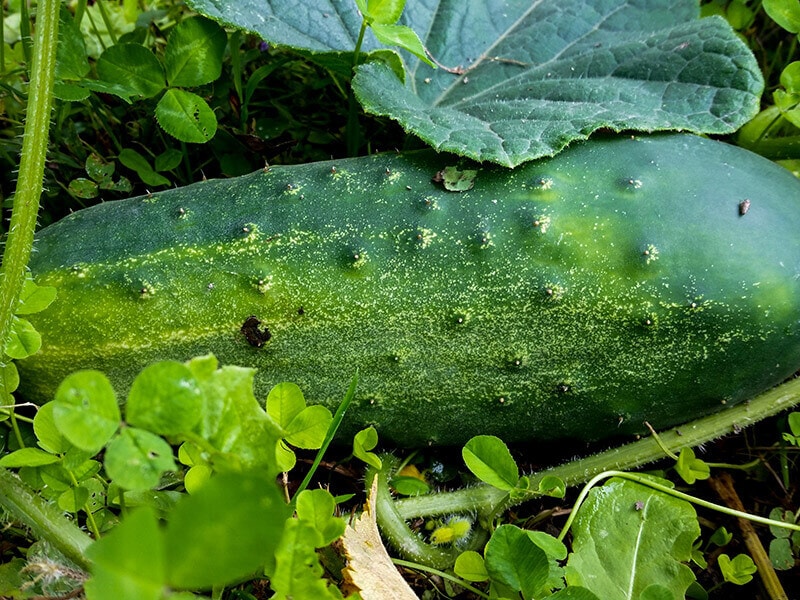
(631, 541)
(525, 81)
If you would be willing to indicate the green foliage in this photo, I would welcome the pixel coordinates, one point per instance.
(100, 178)
(784, 547)
(234, 523)
(738, 570)
(785, 13)
(364, 441)
(490, 461)
(381, 17)
(628, 538)
(114, 75)
(793, 435)
(691, 468)
(589, 68)
(24, 340)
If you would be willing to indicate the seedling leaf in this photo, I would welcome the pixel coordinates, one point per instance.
(194, 50)
(364, 441)
(691, 468)
(490, 461)
(136, 459)
(382, 11)
(794, 423)
(722, 537)
(402, 36)
(85, 410)
(739, 570)
(186, 116)
(165, 398)
(552, 486)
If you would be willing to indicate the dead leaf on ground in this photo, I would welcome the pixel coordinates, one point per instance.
(370, 569)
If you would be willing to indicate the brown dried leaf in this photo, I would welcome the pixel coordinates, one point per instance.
(370, 569)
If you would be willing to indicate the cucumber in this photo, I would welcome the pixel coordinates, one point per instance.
(654, 278)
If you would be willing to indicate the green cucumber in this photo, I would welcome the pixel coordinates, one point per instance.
(625, 280)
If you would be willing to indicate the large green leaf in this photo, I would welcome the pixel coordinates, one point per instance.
(533, 76)
(629, 538)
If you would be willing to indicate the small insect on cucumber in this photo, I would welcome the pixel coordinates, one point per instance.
(625, 280)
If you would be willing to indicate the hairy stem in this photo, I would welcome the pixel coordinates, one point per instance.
(394, 528)
(44, 519)
(31, 168)
(485, 500)
(353, 125)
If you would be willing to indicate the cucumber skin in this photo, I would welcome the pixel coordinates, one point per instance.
(573, 297)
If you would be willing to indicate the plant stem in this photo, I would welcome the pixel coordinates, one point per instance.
(394, 527)
(485, 499)
(442, 574)
(353, 127)
(31, 170)
(45, 520)
(741, 514)
(723, 486)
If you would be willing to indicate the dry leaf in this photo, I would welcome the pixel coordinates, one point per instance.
(370, 569)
